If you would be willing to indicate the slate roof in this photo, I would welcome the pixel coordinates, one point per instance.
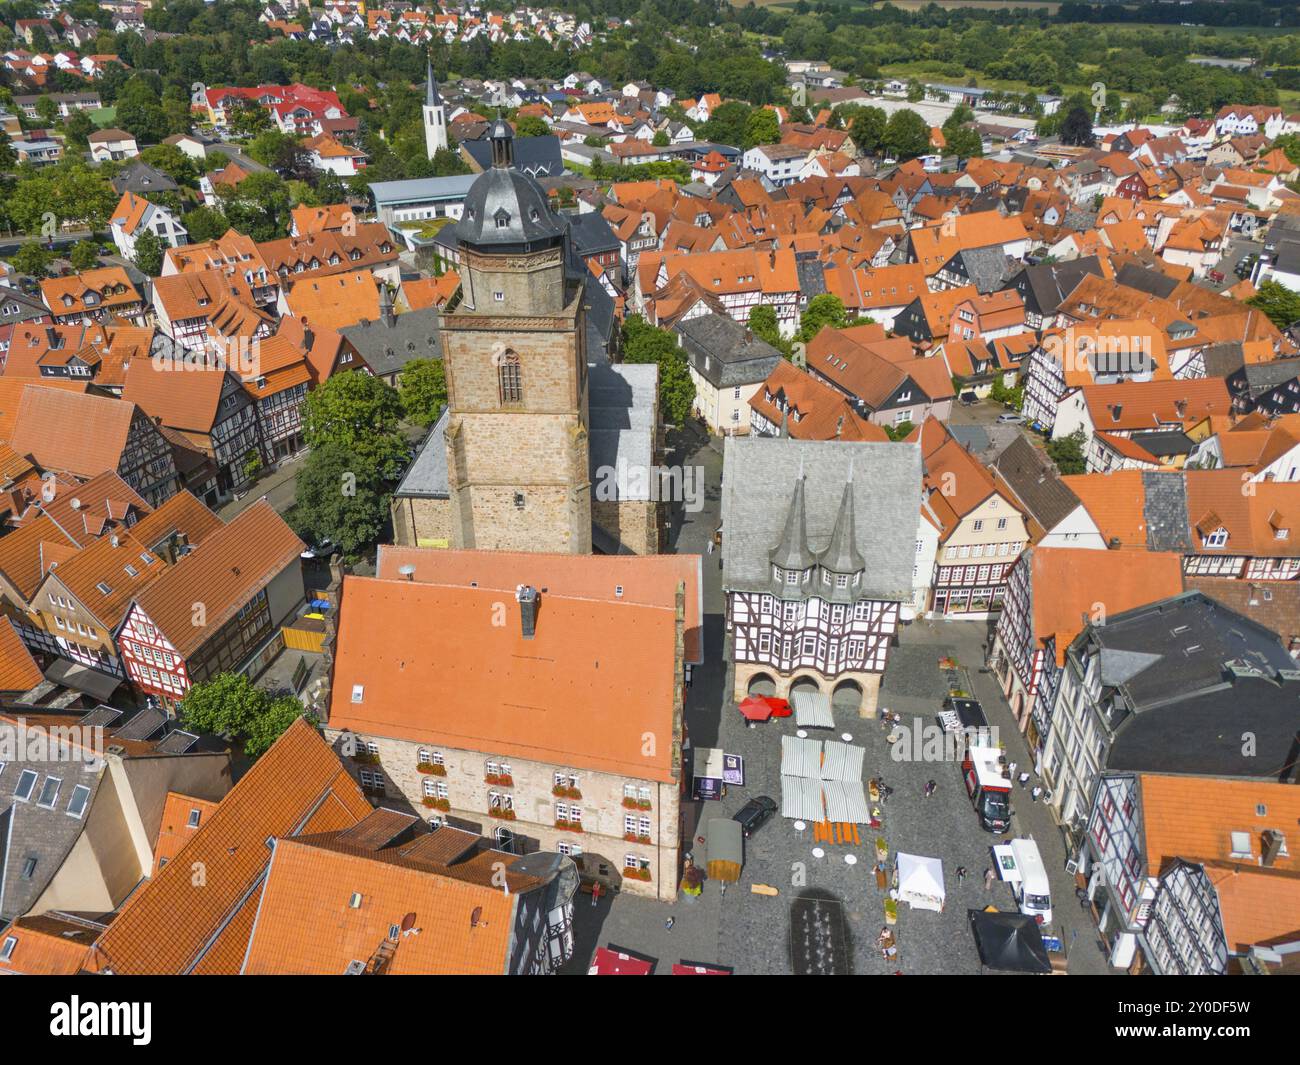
(621, 425)
(735, 355)
(758, 482)
(426, 478)
(1164, 509)
(141, 178)
(388, 347)
(1045, 286)
(1197, 675)
(1032, 478)
(538, 157)
(1153, 282)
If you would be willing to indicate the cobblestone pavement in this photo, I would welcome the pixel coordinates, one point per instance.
(751, 932)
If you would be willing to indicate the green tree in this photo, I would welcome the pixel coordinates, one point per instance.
(867, 129)
(31, 259)
(964, 142)
(447, 162)
(340, 496)
(824, 311)
(1280, 304)
(644, 343)
(763, 324)
(661, 139)
(275, 149)
(906, 135)
(78, 127)
(1067, 453)
(230, 706)
(423, 388)
(761, 127)
(149, 251)
(205, 223)
(360, 414)
(85, 256)
(531, 126)
(247, 119)
(1076, 128)
(47, 110)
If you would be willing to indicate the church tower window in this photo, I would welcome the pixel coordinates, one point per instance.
(509, 380)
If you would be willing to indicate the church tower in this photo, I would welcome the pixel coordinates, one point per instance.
(514, 351)
(435, 114)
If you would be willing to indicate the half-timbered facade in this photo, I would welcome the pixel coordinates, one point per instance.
(815, 592)
(217, 610)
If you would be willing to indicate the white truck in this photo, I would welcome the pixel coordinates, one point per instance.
(1020, 865)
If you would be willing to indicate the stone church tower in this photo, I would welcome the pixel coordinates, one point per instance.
(435, 114)
(514, 350)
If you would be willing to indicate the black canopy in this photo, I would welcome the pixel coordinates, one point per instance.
(1011, 942)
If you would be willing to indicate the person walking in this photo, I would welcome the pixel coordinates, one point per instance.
(1011, 771)
(930, 785)
(668, 924)
(1024, 779)
(1036, 792)
(961, 873)
(989, 877)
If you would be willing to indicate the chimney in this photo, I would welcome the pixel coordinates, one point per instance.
(1272, 841)
(528, 600)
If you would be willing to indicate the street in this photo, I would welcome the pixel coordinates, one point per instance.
(751, 932)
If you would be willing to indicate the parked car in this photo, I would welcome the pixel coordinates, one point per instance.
(755, 814)
(1217, 276)
(1011, 418)
(1246, 265)
(319, 550)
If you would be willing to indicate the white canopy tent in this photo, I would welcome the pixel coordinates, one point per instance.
(812, 709)
(920, 882)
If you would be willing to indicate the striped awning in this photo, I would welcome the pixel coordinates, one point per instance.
(812, 709)
(842, 761)
(801, 798)
(846, 800)
(801, 757)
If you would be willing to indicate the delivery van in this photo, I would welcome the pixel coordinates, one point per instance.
(1020, 865)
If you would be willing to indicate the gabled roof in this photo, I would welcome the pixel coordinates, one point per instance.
(813, 410)
(182, 514)
(41, 430)
(227, 568)
(297, 787)
(1068, 584)
(546, 698)
(647, 579)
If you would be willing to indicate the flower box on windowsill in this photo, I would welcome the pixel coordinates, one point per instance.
(504, 815)
(431, 770)
(501, 780)
(569, 826)
(636, 804)
(637, 874)
(437, 804)
(563, 791)
(366, 758)
(645, 840)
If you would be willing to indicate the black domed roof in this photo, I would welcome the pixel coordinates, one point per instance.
(506, 206)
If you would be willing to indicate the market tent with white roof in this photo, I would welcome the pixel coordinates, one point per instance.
(920, 881)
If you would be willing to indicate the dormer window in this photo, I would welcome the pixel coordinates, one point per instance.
(1217, 538)
(502, 219)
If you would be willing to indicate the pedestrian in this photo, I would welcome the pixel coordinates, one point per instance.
(989, 876)
(961, 873)
(595, 893)
(1024, 779)
(668, 924)
(1035, 792)
(1011, 771)
(930, 785)
(710, 547)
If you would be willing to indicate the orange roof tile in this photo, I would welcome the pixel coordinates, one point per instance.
(226, 570)
(18, 669)
(647, 579)
(178, 825)
(1070, 582)
(335, 302)
(547, 698)
(167, 927)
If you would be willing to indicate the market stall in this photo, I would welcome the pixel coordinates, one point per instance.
(920, 881)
